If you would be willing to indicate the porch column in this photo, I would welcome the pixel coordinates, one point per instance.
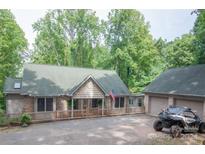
(72, 108)
(203, 118)
(103, 103)
(170, 100)
(146, 102)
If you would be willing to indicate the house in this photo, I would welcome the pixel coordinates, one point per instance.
(183, 86)
(55, 92)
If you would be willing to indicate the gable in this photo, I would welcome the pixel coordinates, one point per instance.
(88, 90)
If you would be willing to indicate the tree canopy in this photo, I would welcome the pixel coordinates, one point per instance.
(67, 37)
(133, 54)
(180, 52)
(199, 32)
(12, 44)
(123, 43)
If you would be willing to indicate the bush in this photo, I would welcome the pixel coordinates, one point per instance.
(25, 119)
(4, 121)
(2, 113)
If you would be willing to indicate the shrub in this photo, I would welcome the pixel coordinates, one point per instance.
(2, 113)
(25, 119)
(4, 121)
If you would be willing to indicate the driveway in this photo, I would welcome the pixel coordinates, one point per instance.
(135, 129)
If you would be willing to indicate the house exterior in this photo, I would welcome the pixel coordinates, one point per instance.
(183, 86)
(49, 92)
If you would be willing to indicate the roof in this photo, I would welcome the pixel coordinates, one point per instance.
(52, 80)
(180, 81)
(9, 85)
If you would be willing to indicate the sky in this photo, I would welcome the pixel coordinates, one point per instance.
(167, 24)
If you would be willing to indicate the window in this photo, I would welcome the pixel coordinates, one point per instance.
(96, 103)
(17, 85)
(49, 104)
(119, 102)
(44, 104)
(130, 101)
(140, 102)
(75, 104)
(41, 104)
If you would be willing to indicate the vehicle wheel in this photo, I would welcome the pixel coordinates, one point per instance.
(176, 131)
(202, 127)
(158, 125)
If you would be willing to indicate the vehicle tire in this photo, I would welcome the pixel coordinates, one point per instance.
(176, 131)
(158, 125)
(202, 127)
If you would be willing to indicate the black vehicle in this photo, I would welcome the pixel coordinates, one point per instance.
(179, 119)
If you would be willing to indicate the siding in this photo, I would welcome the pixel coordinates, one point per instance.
(89, 90)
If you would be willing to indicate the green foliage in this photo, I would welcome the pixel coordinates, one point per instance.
(25, 119)
(132, 47)
(67, 37)
(199, 32)
(180, 52)
(12, 44)
(4, 121)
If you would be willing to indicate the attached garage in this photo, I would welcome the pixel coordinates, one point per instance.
(156, 104)
(183, 86)
(193, 104)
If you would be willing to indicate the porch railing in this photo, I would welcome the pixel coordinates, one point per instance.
(93, 112)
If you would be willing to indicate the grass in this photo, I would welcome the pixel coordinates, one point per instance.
(186, 139)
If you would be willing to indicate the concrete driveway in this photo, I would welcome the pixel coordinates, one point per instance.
(135, 129)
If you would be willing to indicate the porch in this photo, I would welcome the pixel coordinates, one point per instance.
(78, 114)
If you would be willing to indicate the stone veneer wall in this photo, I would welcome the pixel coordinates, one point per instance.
(61, 103)
(16, 104)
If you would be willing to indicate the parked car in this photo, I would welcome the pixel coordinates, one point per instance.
(179, 119)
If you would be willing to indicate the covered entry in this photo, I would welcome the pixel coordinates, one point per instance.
(86, 107)
(88, 99)
(156, 104)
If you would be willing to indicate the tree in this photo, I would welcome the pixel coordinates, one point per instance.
(180, 52)
(131, 47)
(67, 37)
(199, 32)
(12, 44)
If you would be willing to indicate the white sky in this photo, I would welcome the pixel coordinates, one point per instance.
(167, 24)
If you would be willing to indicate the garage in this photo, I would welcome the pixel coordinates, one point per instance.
(156, 104)
(193, 104)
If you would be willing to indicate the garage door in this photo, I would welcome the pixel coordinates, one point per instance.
(156, 104)
(193, 104)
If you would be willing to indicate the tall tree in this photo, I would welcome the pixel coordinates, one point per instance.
(12, 44)
(67, 37)
(132, 48)
(199, 32)
(180, 52)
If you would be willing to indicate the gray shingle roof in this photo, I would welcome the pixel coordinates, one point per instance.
(51, 80)
(9, 85)
(181, 81)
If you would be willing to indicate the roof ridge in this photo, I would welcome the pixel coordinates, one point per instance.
(71, 67)
(183, 67)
